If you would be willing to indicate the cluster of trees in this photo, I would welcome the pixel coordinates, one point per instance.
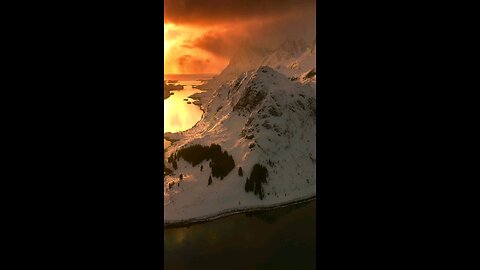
(220, 161)
(310, 74)
(258, 176)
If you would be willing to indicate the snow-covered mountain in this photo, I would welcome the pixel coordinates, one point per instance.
(287, 51)
(247, 57)
(295, 60)
(261, 117)
(292, 58)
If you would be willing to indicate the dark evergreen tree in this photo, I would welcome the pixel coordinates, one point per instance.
(210, 180)
(220, 161)
(248, 185)
(257, 178)
(181, 176)
(201, 168)
(240, 171)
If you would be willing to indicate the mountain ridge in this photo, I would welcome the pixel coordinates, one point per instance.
(293, 57)
(261, 117)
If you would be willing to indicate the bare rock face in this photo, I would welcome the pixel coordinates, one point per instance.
(251, 98)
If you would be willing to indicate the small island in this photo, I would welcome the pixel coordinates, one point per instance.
(167, 87)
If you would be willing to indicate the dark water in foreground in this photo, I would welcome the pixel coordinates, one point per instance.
(278, 239)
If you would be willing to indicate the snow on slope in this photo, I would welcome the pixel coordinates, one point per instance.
(292, 58)
(288, 51)
(261, 117)
(300, 64)
(247, 57)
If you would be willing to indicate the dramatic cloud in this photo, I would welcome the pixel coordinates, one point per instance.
(219, 43)
(201, 36)
(195, 65)
(208, 12)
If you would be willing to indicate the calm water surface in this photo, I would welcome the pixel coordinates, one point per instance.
(276, 239)
(178, 114)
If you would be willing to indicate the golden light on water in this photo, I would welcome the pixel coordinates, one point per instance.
(178, 115)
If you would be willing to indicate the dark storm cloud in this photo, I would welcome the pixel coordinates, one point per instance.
(269, 34)
(218, 43)
(221, 11)
(220, 27)
(191, 64)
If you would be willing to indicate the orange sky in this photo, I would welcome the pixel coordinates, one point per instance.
(183, 56)
(201, 36)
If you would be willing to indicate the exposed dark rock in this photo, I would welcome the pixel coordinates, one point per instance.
(300, 104)
(274, 111)
(251, 98)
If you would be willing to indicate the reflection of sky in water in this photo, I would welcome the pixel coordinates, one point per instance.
(178, 115)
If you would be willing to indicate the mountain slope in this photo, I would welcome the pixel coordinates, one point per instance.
(262, 117)
(301, 66)
(292, 58)
(247, 57)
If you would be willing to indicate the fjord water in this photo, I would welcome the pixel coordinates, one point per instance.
(277, 239)
(178, 114)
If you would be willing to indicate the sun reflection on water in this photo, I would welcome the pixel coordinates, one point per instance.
(178, 114)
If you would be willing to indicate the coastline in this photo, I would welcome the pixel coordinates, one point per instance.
(203, 98)
(197, 102)
(235, 211)
(199, 98)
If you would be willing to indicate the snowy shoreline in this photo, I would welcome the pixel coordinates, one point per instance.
(229, 212)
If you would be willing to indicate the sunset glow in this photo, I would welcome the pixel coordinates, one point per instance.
(240, 118)
(182, 55)
(202, 36)
(166, 43)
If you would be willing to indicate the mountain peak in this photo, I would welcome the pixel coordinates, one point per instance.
(293, 47)
(247, 51)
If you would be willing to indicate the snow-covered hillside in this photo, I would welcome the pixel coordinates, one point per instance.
(247, 57)
(288, 51)
(261, 117)
(293, 58)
